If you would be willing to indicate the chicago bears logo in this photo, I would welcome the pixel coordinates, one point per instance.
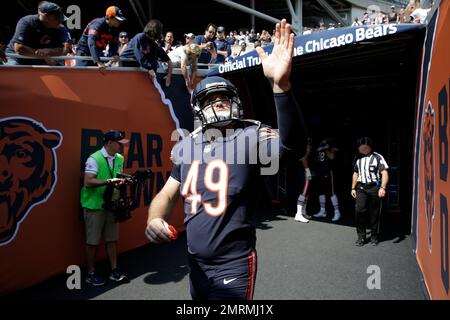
(28, 168)
(45, 40)
(428, 165)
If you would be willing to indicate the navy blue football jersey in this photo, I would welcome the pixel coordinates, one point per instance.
(31, 32)
(96, 37)
(220, 180)
(324, 164)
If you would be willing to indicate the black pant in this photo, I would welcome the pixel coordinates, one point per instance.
(368, 205)
(234, 280)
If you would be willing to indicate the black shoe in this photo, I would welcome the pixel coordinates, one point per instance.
(307, 216)
(117, 275)
(360, 242)
(95, 279)
(374, 241)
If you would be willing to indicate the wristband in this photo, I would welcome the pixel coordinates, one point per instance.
(174, 233)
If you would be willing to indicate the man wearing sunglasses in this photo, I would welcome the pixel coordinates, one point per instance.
(123, 41)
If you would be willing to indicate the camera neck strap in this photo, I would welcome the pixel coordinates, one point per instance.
(111, 171)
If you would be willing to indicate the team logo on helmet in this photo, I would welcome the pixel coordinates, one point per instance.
(28, 170)
(206, 110)
(428, 165)
(216, 84)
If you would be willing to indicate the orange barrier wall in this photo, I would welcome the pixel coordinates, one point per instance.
(58, 113)
(431, 201)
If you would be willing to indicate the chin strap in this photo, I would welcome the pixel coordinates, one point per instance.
(257, 123)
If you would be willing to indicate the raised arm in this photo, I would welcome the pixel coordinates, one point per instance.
(277, 68)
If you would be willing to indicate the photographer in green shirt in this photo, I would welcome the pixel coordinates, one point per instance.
(101, 171)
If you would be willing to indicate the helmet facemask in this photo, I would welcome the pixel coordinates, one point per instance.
(206, 110)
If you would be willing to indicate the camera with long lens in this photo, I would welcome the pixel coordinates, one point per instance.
(120, 199)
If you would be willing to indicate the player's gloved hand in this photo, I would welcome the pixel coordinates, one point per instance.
(308, 174)
(158, 231)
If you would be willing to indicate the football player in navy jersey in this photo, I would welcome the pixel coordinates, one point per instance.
(326, 155)
(216, 173)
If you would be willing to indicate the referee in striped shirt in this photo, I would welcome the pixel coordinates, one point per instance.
(370, 178)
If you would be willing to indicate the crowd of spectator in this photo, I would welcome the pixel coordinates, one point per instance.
(101, 38)
(412, 13)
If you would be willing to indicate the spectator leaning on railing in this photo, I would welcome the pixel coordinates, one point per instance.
(185, 56)
(99, 34)
(41, 36)
(144, 48)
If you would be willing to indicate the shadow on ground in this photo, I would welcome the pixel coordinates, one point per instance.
(163, 264)
(393, 225)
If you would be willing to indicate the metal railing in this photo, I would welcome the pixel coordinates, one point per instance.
(18, 56)
(202, 69)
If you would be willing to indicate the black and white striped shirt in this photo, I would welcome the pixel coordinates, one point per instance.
(368, 167)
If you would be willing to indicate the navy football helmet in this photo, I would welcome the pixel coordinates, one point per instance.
(204, 90)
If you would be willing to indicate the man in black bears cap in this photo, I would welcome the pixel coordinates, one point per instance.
(102, 168)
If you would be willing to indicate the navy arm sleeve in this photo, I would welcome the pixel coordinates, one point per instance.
(140, 57)
(291, 124)
(176, 172)
(21, 33)
(92, 47)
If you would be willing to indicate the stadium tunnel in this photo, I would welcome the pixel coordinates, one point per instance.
(362, 89)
